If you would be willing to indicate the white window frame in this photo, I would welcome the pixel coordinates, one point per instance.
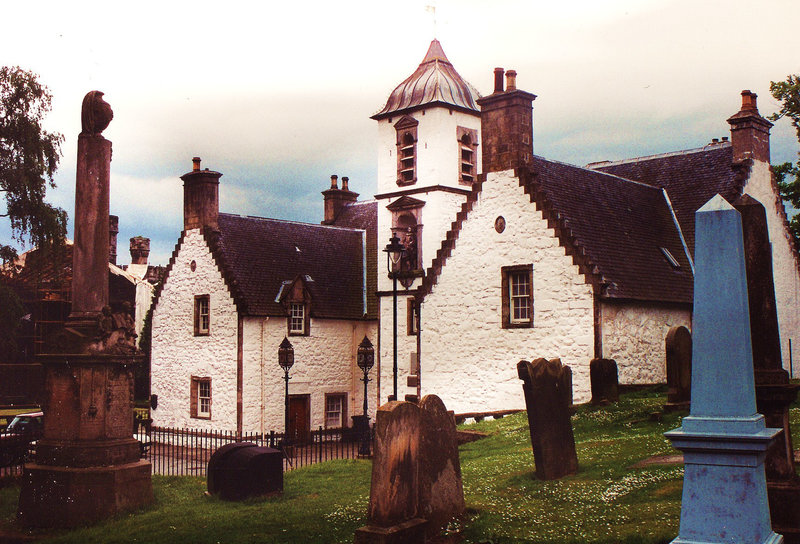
(297, 316)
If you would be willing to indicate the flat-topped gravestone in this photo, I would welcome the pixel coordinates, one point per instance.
(774, 393)
(724, 440)
(547, 398)
(604, 381)
(678, 346)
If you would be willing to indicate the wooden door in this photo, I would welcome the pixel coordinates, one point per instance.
(299, 418)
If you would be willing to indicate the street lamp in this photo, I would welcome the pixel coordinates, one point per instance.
(286, 360)
(394, 250)
(365, 360)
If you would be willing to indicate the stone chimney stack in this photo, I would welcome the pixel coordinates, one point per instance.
(200, 197)
(140, 250)
(337, 199)
(506, 125)
(749, 131)
(113, 230)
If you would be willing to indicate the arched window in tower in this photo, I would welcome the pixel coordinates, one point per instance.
(406, 150)
(467, 155)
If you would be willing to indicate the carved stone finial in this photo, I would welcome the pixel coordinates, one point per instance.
(96, 113)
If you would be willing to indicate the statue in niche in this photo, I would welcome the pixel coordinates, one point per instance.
(96, 114)
(409, 239)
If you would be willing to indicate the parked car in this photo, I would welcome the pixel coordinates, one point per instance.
(20, 437)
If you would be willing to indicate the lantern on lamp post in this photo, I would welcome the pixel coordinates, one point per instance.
(394, 251)
(286, 360)
(365, 360)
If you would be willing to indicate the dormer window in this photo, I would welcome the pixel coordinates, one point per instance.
(406, 150)
(467, 155)
(295, 296)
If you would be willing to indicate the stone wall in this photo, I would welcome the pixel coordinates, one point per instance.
(325, 362)
(633, 334)
(468, 359)
(177, 354)
(761, 186)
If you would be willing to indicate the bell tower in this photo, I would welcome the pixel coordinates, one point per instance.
(428, 160)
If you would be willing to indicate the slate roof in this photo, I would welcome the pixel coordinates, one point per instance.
(617, 227)
(256, 255)
(690, 177)
(435, 81)
(364, 215)
(612, 227)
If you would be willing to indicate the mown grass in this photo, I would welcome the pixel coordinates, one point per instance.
(608, 501)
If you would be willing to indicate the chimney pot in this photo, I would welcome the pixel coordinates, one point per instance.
(498, 80)
(345, 182)
(334, 182)
(511, 80)
(140, 250)
(714, 140)
(749, 101)
(195, 164)
(724, 138)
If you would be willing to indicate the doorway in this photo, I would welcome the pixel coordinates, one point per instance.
(299, 418)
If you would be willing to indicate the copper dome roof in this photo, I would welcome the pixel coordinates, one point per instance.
(435, 81)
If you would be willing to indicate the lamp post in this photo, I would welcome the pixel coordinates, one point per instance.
(394, 250)
(286, 360)
(365, 360)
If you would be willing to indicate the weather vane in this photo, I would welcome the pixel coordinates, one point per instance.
(432, 9)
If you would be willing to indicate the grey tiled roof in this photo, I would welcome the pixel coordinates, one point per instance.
(257, 255)
(690, 177)
(615, 228)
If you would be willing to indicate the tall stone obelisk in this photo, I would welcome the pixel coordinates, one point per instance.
(87, 466)
(724, 440)
(774, 392)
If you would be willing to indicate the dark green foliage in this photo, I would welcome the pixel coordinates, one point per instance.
(788, 174)
(11, 312)
(29, 157)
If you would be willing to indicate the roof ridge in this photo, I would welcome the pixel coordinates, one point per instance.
(595, 171)
(707, 147)
(291, 221)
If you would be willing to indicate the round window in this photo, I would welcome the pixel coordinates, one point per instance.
(500, 224)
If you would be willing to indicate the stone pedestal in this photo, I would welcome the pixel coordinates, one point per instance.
(87, 466)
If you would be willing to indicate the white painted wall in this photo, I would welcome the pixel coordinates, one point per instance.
(438, 149)
(761, 186)
(633, 334)
(177, 354)
(468, 359)
(325, 362)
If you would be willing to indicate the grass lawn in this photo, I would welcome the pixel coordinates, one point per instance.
(608, 501)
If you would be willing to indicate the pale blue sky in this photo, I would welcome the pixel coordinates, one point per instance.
(278, 97)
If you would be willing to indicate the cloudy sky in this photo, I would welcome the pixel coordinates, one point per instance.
(277, 96)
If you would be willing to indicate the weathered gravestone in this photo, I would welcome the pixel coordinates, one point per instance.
(605, 381)
(416, 474)
(679, 368)
(723, 439)
(774, 393)
(547, 398)
(87, 465)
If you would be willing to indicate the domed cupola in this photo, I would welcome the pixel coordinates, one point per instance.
(435, 82)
